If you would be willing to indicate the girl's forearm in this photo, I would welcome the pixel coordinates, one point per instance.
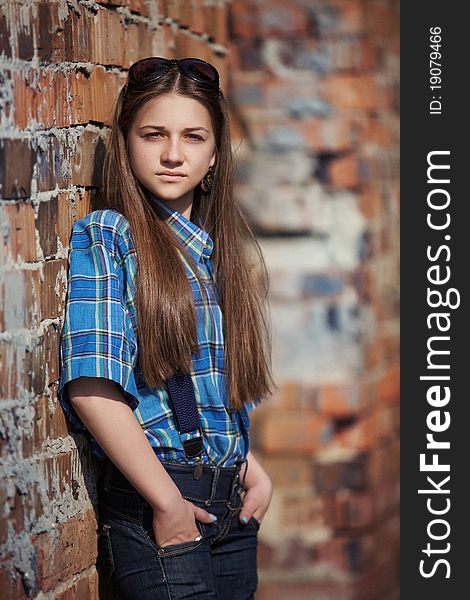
(108, 417)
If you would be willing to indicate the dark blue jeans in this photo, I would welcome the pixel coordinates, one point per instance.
(221, 566)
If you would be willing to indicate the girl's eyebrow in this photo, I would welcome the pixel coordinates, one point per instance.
(162, 128)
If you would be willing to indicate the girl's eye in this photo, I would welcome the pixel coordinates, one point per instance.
(191, 135)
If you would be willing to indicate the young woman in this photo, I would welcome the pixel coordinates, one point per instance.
(166, 348)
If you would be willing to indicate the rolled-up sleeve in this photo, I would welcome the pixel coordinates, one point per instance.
(97, 338)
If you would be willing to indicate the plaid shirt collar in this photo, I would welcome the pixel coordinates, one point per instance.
(197, 241)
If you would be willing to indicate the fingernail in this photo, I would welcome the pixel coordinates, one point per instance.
(245, 520)
(213, 517)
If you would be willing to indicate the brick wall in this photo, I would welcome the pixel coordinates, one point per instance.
(61, 64)
(314, 91)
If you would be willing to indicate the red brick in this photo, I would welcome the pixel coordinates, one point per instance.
(244, 19)
(381, 130)
(107, 38)
(215, 16)
(91, 96)
(388, 390)
(74, 550)
(350, 18)
(347, 510)
(77, 35)
(220, 64)
(391, 348)
(47, 218)
(383, 21)
(42, 97)
(344, 172)
(58, 472)
(71, 207)
(350, 92)
(288, 472)
(59, 424)
(8, 370)
(182, 41)
(51, 346)
(84, 159)
(41, 429)
(338, 401)
(288, 433)
(53, 288)
(49, 33)
(16, 168)
(5, 47)
(197, 15)
(374, 353)
(293, 395)
(370, 201)
(138, 43)
(19, 237)
(138, 6)
(386, 423)
(161, 8)
(68, 160)
(22, 34)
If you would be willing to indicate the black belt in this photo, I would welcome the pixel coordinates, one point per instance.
(214, 482)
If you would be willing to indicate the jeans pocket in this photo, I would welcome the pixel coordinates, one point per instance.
(175, 549)
(105, 560)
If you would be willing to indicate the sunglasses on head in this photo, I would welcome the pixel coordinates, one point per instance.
(153, 68)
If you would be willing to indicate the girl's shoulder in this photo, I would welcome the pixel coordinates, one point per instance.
(105, 226)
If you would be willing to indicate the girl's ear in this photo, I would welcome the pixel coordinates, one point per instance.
(214, 156)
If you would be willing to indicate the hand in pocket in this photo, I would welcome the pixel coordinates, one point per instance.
(177, 524)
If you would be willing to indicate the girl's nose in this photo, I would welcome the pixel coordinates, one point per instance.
(172, 152)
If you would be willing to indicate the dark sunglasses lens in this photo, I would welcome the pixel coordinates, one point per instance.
(200, 70)
(147, 67)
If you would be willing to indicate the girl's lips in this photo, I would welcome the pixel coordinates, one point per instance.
(171, 177)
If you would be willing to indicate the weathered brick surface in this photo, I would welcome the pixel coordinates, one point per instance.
(60, 69)
(315, 85)
(319, 98)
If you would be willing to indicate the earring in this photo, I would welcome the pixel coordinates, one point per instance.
(207, 180)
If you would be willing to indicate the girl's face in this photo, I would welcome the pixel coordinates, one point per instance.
(173, 134)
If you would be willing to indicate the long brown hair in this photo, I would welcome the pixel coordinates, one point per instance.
(166, 323)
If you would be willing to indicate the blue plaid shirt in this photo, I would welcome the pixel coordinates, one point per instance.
(99, 337)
